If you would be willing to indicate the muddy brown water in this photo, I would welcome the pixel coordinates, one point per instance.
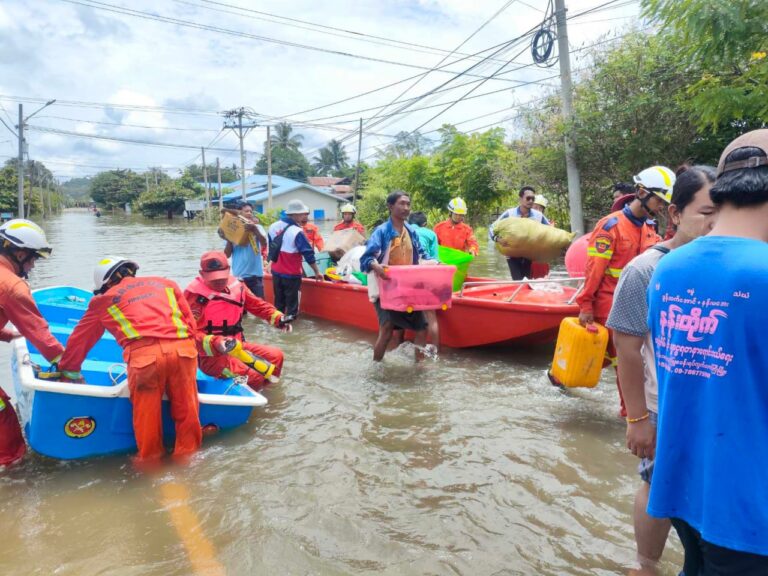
(472, 464)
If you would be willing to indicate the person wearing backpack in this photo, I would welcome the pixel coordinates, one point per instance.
(287, 246)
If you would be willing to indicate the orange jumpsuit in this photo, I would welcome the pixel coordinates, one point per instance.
(151, 320)
(312, 233)
(219, 315)
(17, 306)
(616, 239)
(459, 236)
(346, 226)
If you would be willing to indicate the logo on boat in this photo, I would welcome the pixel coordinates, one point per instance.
(80, 427)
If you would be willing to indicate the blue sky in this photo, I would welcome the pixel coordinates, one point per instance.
(96, 62)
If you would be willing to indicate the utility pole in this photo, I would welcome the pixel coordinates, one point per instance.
(20, 173)
(205, 179)
(146, 180)
(572, 169)
(218, 176)
(357, 170)
(269, 168)
(234, 121)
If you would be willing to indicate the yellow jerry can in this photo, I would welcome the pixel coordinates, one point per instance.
(579, 354)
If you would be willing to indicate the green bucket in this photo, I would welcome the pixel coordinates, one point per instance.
(456, 258)
(362, 277)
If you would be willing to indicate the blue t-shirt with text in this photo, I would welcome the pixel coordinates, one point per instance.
(708, 318)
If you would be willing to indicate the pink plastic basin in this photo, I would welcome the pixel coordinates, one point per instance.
(411, 288)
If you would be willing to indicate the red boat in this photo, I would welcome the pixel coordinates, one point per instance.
(486, 312)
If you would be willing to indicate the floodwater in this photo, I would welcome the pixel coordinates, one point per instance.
(472, 464)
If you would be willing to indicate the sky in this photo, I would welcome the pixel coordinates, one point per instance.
(117, 72)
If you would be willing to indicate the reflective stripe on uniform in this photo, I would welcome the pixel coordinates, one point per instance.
(275, 315)
(227, 373)
(125, 324)
(613, 272)
(181, 328)
(608, 254)
(207, 345)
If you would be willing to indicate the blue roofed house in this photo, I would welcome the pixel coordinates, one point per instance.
(322, 205)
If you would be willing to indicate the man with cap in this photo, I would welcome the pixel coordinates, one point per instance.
(707, 317)
(287, 245)
(218, 301)
(454, 232)
(348, 221)
(617, 239)
(22, 243)
(152, 322)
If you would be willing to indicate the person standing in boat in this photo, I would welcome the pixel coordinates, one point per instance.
(395, 243)
(218, 301)
(22, 242)
(287, 246)
(454, 232)
(348, 221)
(313, 235)
(151, 320)
(616, 239)
(520, 268)
(694, 212)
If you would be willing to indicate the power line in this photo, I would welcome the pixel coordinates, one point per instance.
(320, 28)
(195, 25)
(129, 125)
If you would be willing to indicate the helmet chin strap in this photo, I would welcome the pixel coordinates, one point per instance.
(644, 204)
(22, 262)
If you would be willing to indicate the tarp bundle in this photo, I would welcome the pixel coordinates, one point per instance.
(342, 241)
(526, 238)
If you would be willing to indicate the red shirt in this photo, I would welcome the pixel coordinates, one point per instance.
(458, 236)
(145, 307)
(18, 306)
(346, 226)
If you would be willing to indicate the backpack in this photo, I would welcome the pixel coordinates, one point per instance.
(276, 244)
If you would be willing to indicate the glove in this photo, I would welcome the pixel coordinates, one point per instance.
(284, 323)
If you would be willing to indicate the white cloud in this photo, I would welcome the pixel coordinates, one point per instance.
(84, 54)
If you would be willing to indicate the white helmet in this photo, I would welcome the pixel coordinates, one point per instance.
(457, 206)
(348, 208)
(541, 200)
(27, 235)
(106, 268)
(657, 180)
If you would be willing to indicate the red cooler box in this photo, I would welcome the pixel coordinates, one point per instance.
(410, 288)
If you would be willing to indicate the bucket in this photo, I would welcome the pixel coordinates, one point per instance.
(457, 258)
(323, 261)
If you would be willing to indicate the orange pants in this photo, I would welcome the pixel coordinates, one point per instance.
(226, 366)
(611, 360)
(157, 367)
(12, 445)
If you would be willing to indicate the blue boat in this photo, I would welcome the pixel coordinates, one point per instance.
(69, 421)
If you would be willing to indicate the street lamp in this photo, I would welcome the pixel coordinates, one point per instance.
(22, 123)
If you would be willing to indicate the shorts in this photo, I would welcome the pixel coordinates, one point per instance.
(645, 468)
(403, 320)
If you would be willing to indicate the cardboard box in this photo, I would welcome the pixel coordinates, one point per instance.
(233, 228)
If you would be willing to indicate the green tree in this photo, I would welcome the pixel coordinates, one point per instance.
(286, 162)
(727, 42)
(332, 159)
(166, 198)
(408, 145)
(115, 188)
(283, 137)
(195, 171)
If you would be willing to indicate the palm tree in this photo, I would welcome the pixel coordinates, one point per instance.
(332, 159)
(283, 137)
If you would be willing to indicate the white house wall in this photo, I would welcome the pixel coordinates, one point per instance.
(314, 200)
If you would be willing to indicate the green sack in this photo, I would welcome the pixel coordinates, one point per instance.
(526, 238)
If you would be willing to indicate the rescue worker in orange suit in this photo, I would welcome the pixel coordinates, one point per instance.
(152, 322)
(616, 239)
(218, 300)
(312, 233)
(348, 221)
(21, 243)
(454, 233)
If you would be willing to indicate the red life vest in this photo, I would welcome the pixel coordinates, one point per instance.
(223, 311)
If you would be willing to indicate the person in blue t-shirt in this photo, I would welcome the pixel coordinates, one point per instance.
(247, 261)
(707, 316)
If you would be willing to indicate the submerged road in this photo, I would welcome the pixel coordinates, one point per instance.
(473, 464)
